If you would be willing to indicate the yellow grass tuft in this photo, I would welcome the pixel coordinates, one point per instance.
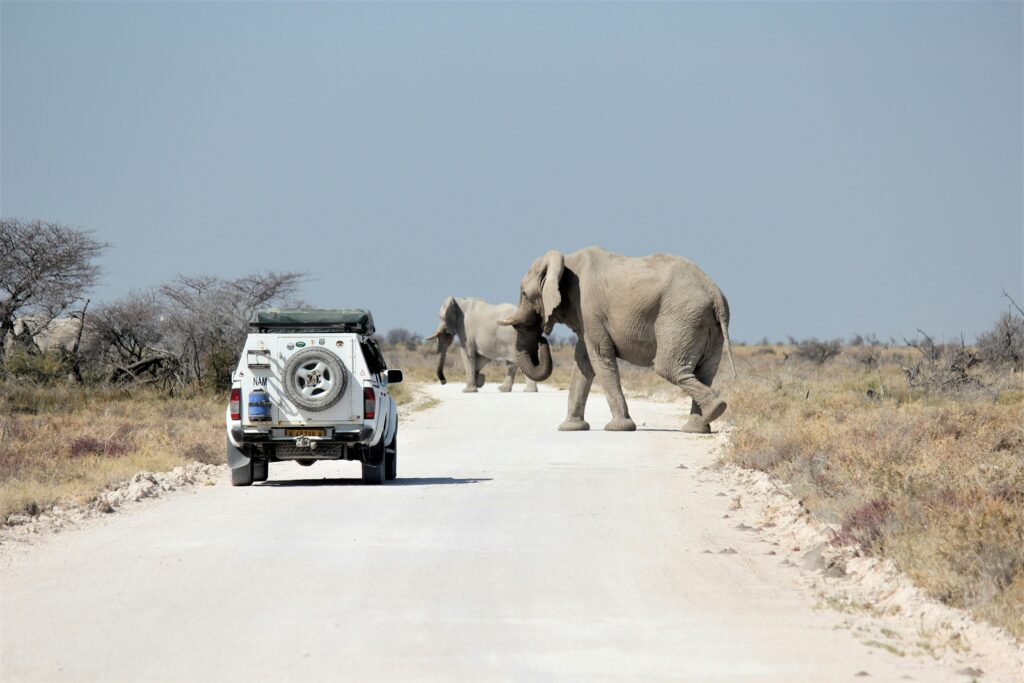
(66, 443)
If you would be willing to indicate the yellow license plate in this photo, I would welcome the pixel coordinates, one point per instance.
(305, 432)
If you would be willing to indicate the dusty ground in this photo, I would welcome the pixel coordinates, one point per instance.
(507, 550)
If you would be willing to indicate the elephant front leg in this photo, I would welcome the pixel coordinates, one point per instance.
(510, 377)
(469, 360)
(579, 390)
(606, 368)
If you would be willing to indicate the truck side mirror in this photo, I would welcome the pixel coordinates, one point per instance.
(395, 377)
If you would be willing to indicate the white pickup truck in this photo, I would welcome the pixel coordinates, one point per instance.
(312, 385)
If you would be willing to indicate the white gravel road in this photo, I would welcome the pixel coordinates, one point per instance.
(506, 551)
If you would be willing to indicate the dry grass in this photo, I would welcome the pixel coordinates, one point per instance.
(932, 480)
(65, 443)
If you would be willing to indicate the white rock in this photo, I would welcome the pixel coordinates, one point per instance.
(115, 499)
(16, 520)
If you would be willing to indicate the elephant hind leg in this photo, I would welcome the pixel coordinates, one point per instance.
(707, 406)
(478, 375)
(470, 362)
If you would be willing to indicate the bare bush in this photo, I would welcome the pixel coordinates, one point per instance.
(187, 331)
(400, 336)
(815, 350)
(1003, 344)
(206, 318)
(130, 327)
(944, 367)
(862, 340)
(868, 356)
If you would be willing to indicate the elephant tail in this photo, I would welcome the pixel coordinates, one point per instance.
(722, 313)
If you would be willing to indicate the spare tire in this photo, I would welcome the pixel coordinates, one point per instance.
(314, 379)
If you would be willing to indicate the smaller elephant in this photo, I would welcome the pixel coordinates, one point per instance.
(44, 334)
(475, 323)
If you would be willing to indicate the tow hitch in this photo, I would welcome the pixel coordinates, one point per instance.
(305, 442)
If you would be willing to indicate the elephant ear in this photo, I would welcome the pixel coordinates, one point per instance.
(450, 313)
(550, 293)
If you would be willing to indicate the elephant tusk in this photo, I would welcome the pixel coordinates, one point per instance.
(433, 336)
(506, 322)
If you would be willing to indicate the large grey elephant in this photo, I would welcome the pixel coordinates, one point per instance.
(660, 311)
(475, 323)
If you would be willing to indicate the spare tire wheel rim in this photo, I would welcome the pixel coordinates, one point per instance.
(313, 379)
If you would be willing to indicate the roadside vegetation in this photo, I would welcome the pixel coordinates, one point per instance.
(915, 452)
(64, 443)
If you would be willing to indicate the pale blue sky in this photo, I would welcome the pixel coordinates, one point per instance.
(836, 168)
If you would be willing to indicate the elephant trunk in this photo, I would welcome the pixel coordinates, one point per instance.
(533, 355)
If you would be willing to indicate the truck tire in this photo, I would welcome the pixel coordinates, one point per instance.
(314, 379)
(374, 465)
(260, 470)
(242, 476)
(391, 458)
(373, 475)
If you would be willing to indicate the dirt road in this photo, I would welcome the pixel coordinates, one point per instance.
(507, 551)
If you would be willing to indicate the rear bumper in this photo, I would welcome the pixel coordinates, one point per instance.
(350, 444)
(341, 435)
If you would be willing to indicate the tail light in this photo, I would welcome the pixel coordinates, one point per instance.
(369, 403)
(236, 404)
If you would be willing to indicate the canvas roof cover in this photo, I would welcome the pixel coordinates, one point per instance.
(358, 320)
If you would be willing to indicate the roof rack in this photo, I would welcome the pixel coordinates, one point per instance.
(356, 320)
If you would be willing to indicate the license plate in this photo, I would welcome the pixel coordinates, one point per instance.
(305, 432)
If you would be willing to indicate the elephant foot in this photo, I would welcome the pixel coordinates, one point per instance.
(480, 379)
(574, 424)
(696, 425)
(505, 388)
(620, 424)
(714, 410)
(530, 388)
(469, 390)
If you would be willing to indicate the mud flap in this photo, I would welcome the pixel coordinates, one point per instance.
(240, 464)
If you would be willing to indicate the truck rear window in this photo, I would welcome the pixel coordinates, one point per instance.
(373, 357)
